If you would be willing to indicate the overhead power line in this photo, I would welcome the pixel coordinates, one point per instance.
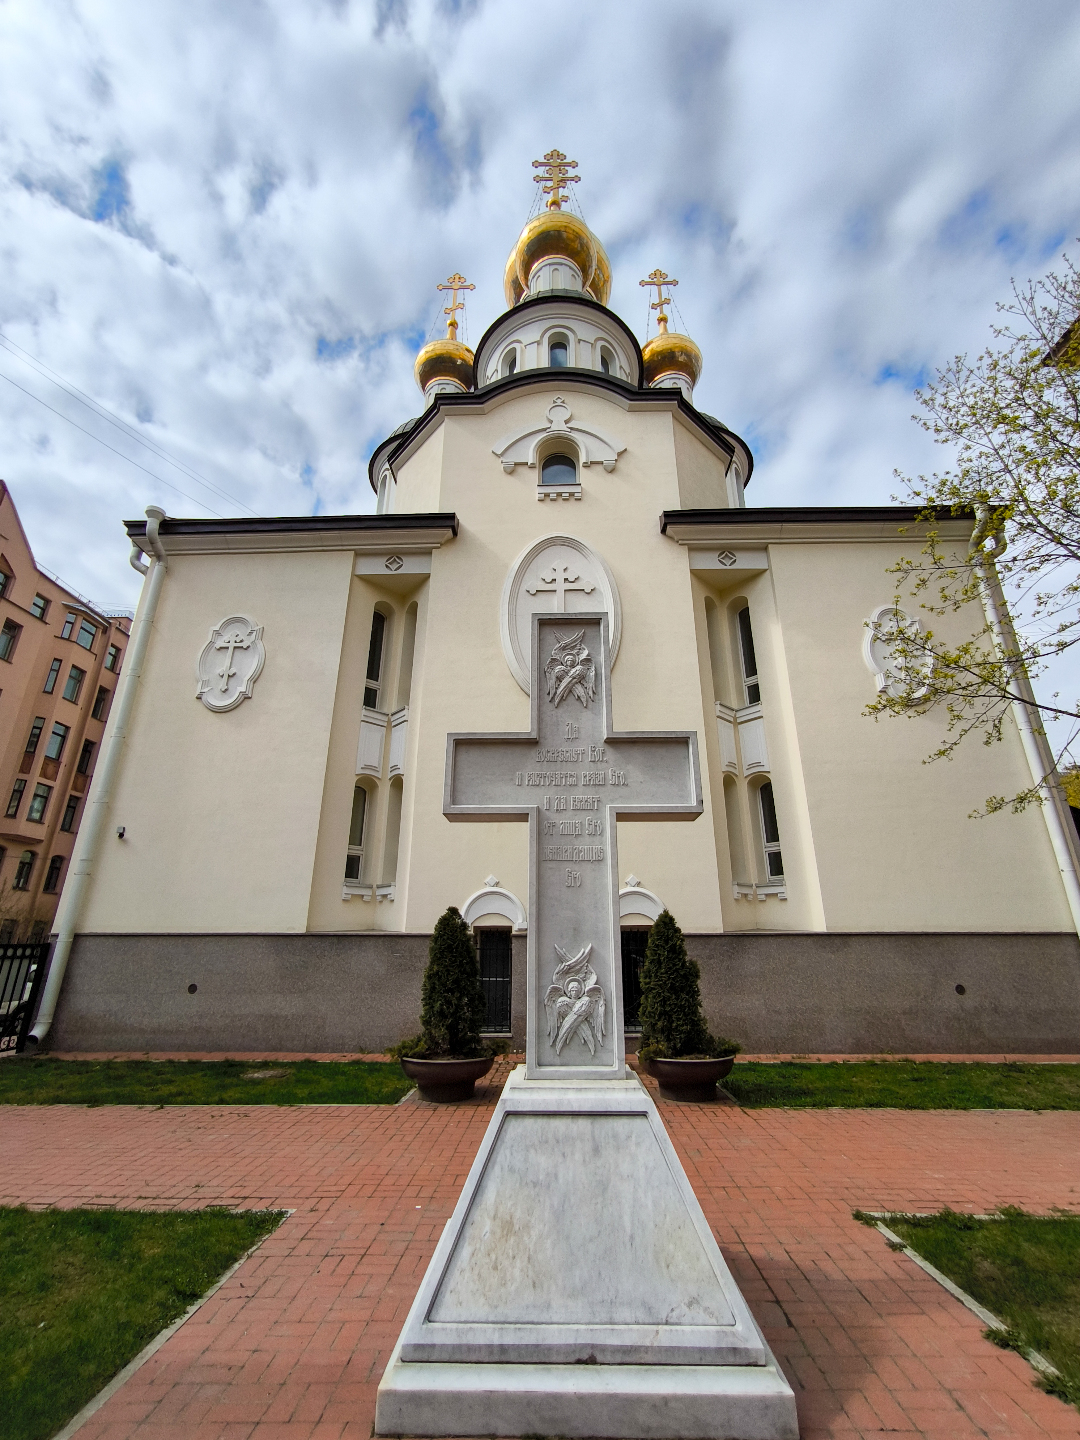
(104, 413)
(113, 448)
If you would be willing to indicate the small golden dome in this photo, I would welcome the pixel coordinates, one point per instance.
(669, 353)
(557, 233)
(444, 360)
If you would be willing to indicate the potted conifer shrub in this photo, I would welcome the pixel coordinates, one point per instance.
(676, 1046)
(447, 1058)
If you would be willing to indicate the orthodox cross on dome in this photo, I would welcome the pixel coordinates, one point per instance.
(555, 176)
(454, 283)
(662, 282)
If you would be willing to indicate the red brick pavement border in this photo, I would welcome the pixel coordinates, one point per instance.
(293, 1345)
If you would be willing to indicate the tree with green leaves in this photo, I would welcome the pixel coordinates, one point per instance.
(452, 998)
(672, 1023)
(1012, 419)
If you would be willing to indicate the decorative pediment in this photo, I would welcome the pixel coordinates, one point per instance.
(594, 447)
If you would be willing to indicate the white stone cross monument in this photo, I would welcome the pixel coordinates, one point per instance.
(577, 1289)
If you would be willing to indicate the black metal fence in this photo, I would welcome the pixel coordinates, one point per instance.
(22, 973)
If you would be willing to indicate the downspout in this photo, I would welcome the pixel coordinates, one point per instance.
(93, 828)
(1036, 748)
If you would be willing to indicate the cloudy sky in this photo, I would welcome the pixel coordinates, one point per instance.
(224, 221)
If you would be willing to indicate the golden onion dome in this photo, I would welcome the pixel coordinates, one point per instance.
(670, 353)
(557, 233)
(445, 359)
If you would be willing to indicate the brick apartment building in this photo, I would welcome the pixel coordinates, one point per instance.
(60, 659)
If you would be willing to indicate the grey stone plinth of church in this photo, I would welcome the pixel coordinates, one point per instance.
(577, 1289)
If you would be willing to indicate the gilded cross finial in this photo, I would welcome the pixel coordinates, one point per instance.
(662, 282)
(454, 283)
(556, 176)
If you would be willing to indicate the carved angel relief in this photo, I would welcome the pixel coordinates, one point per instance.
(570, 670)
(575, 1002)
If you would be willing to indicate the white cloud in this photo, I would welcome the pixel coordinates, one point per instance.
(226, 222)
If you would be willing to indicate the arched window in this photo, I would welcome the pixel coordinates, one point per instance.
(770, 833)
(23, 869)
(607, 361)
(354, 862)
(393, 833)
(376, 645)
(408, 646)
(509, 364)
(558, 470)
(559, 352)
(749, 659)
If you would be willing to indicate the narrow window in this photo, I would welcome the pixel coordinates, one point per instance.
(86, 635)
(9, 638)
(50, 679)
(633, 958)
(7, 931)
(558, 470)
(354, 862)
(22, 872)
(69, 625)
(393, 832)
(67, 824)
(101, 703)
(495, 948)
(52, 875)
(16, 799)
(84, 758)
(408, 649)
(605, 362)
(749, 659)
(774, 861)
(375, 660)
(39, 802)
(73, 688)
(35, 734)
(5, 581)
(509, 364)
(39, 607)
(558, 354)
(57, 740)
(112, 659)
(37, 932)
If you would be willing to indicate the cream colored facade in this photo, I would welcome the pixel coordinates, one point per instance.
(243, 821)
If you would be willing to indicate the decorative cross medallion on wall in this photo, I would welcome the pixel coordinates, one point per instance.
(230, 663)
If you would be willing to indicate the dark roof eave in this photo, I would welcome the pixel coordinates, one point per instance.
(297, 524)
(812, 515)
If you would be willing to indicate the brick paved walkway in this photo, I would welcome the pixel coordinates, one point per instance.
(292, 1346)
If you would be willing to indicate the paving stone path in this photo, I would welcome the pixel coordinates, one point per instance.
(293, 1345)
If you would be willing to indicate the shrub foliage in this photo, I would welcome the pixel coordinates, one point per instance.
(452, 1000)
(672, 1023)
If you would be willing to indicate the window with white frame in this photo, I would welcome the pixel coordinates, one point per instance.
(748, 658)
(509, 363)
(376, 646)
(559, 470)
(770, 833)
(558, 352)
(354, 860)
(607, 361)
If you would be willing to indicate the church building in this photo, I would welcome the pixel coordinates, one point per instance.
(270, 853)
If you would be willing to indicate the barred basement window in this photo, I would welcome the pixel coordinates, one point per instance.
(495, 949)
(51, 678)
(633, 958)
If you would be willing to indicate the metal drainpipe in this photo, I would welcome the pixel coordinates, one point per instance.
(93, 828)
(1037, 750)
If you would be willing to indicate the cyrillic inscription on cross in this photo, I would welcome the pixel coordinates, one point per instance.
(571, 777)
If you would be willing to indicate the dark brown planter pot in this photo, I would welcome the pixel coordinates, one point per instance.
(446, 1080)
(689, 1079)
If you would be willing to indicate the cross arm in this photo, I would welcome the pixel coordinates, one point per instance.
(657, 775)
(486, 776)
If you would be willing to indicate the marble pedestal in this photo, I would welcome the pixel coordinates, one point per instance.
(577, 1290)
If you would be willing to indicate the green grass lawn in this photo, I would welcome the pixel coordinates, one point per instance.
(1025, 1269)
(85, 1290)
(42, 1081)
(906, 1085)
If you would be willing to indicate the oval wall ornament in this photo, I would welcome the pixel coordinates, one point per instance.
(557, 575)
(230, 663)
